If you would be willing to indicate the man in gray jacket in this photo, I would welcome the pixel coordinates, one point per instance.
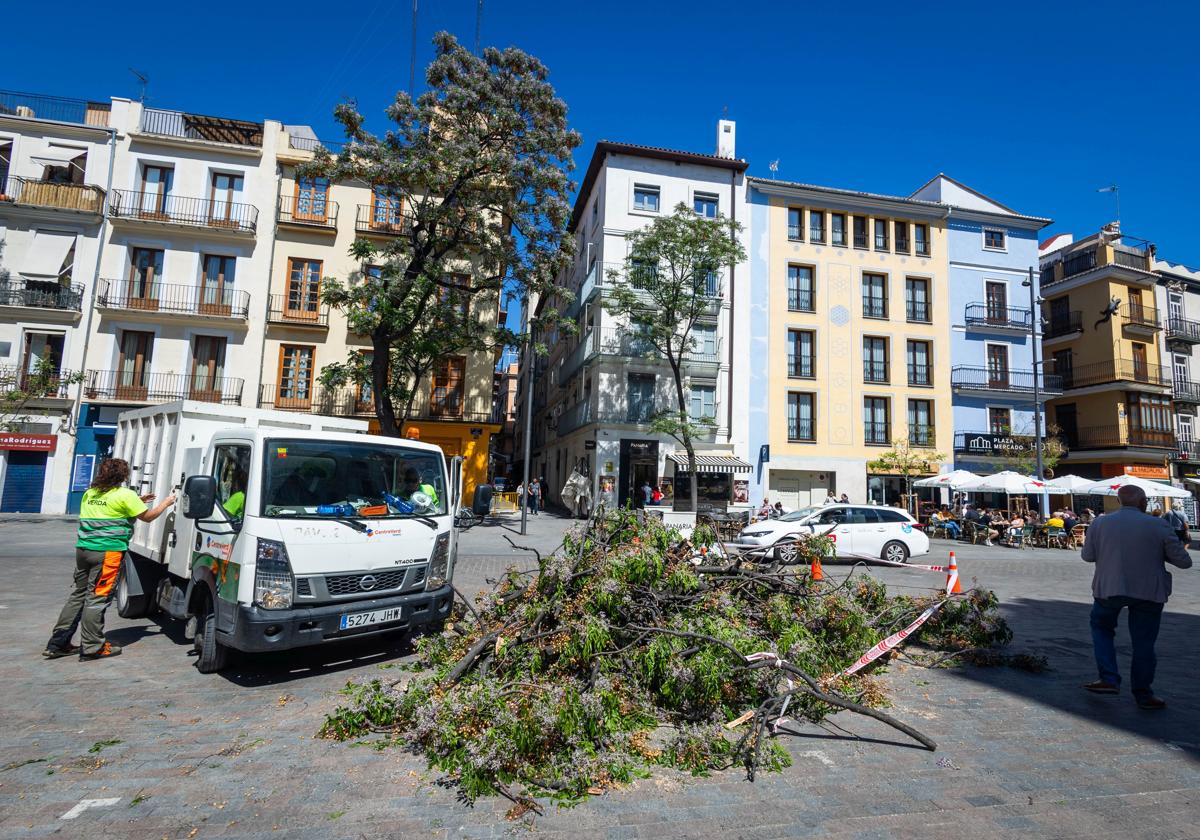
(1129, 548)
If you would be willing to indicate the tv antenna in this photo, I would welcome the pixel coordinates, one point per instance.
(478, 25)
(144, 79)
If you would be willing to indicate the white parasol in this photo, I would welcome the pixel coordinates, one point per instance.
(1110, 486)
(952, 480)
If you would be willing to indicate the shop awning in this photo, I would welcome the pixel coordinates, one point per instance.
(711, 463)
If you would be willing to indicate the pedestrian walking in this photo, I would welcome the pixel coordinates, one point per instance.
(1179, 524)
(106, 518)
(535, 495)
(647, 493)
(1129, 548)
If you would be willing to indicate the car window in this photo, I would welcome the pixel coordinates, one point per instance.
(891, 516)
(862, 516)
(829, 517)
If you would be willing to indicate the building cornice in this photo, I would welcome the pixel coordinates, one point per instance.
(999, 219)
(838, 199)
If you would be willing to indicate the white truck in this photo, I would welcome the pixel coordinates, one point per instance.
(290, 529)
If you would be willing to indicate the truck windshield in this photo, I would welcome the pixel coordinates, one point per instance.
(314, 479)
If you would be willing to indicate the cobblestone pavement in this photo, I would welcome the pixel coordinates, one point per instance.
(233, 755)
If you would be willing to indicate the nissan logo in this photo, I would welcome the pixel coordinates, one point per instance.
(367, 582)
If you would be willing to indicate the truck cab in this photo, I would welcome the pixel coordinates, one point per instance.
(284, 538)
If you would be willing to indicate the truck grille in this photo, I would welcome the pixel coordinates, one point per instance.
(303, 587)
(353, 584)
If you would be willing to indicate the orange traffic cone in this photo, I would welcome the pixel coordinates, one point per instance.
(956, 589)
(817, 572)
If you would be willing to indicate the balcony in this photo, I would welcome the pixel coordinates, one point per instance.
(311, 144)
(922, 436)
(875, 308)
(318, 214)
(35, 387)
(1140, 320)
(918, 311)
(965, 379)
(1185, 391)
(1120, 371)
(176, 124)
(876, 372)
(1069, 324)
(47, 295)
(1117, 437)
(1181, 331)
(801, 367)
(920, 375)
(576, 417)
(174, 210)
(1127, 262)
(593, 281)
(876, 434)
(147, 387)
(380, 220)
(801, 429)
(1186, 450)
(37, 194)
(35, 106)
(801, 300)
(281, 311)
(993, 318)
(357, 401)
(153, 300)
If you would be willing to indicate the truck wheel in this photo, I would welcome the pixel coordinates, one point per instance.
(211, 655)
(135, 606)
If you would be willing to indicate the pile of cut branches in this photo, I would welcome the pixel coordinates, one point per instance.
(630, 647)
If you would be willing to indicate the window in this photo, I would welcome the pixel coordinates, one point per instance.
(6, 150)
(1064, 366)
(295, 376)
(645, 198)
(1141, 370)
(1174, 305)
(801, 416)
(640, 408)
(916, 299)
(312, 199)
(1060, 318)
(387, 209)
(455, 295)
(997, 364)
(920, 423)
(802, 353)
(145, 278)
(837, 229)
(800, 290)
(881, 234)
(711, 285)
(304, 289)
(902, 244)
(42, 355)
(874, 294)
(875, 359)
(216, 284)
(996, 296)
(704, 403)
(921, 240)
(226, 190)
(860, 231)
(642, 273)
(796, 224)
(156, 186)
(920, 367)
(993, 240)
(1185, 428)
(231, 467)
(595, 211)
(1150, 419)
(816, 226)
(446, 397)
(1180, 368)
(208, 368)
(705, 204)
(1000, 421)
(133, 365)
(876, 431)
(704, 343)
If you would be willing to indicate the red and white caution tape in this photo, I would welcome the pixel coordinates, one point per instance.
(892, 641)
(766, 654)
(900, 565)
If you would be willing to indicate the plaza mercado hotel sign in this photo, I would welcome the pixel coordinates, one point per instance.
(996, 446)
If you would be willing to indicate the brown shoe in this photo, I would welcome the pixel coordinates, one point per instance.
(1102, 687)
(56, 652)
(108, 649)
(1150, 702)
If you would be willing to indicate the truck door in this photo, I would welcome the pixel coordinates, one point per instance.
(456, 478)
(231, 469)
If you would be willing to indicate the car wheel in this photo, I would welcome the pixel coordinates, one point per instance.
(786, 551)
(895, 552)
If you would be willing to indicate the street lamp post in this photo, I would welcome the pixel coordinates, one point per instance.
(1035, 318)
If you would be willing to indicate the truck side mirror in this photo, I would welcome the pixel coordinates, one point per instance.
(199, 496)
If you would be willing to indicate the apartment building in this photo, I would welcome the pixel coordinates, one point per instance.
(596, 391)
(993, 266)
(850, 336)
(1178, 297)
(55, 157)
(1104, 338)
(316, 222)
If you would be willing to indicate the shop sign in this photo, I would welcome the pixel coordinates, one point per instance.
(28, 443)
(995, 446)
(1137, 470)
(589, 444)
(81, 475)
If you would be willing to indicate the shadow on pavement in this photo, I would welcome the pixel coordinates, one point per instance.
(256, 670)
(1060, 631)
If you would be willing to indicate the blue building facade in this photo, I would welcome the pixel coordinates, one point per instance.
(991, 251)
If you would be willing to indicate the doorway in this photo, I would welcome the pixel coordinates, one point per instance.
(24, 480)
(639, 464)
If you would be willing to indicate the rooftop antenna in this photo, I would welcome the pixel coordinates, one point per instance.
(478, 25)
(1116, 191)
(412, 62)
(774, 166)
(144, 79)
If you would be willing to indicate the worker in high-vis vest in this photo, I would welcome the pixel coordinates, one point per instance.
(106, 519)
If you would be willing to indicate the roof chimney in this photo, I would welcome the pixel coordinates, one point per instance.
(726, 134)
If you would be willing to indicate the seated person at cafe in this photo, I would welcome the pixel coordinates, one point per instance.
(1069, 519)
(946, 520)
(985, 521)
(1016, 526)
(1056, 520)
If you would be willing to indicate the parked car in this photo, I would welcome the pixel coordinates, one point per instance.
(858, 531)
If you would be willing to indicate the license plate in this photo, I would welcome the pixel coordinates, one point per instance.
(352, 620)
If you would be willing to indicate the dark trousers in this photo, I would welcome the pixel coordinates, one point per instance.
(1144, 620)
(94, 584)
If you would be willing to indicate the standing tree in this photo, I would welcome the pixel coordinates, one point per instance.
(475, 172)
(906, 460)
(668, 283)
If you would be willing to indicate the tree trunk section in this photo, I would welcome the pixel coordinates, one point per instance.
(380, 362)
(687, 437)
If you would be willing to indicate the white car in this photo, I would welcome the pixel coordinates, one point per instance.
(858, 531)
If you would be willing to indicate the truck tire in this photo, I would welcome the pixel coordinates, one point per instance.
(211, 655)
(135, 606)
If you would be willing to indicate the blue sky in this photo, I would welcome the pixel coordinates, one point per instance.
(1035, 104)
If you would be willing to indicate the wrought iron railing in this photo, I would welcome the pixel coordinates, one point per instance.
(921, 435)
(309, 211)
(801, 429)
(282, 309)
(801, 367)
(35, 385)
(997, 379)
(56, 108)
(1112, 436)
(380, 219)
(1137, 315)
(1071, 322)
(920, 374)
(875, 371)
(917, 310)
(994, 315)
(1185, 390)
(183, 210)
(311, 144)
(145, 386)
(801, 300)
(34, 192)
(1117, 370)
(135, 296)
(874, 308)
(1183, 329)
(198, 127)
(876, 434)
(41, 295)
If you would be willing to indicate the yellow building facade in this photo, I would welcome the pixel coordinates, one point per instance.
(316, 223)
(1102, 337)
(851, 299)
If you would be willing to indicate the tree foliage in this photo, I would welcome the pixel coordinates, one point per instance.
(19, 389)
(477, 168)
(670, 280)
(907, 461)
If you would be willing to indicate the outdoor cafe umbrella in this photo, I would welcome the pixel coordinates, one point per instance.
(951, 481)
(1069, 485)
(1008, 482)
(1110, 486)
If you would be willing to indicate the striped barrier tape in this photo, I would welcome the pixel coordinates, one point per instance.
(892, 641)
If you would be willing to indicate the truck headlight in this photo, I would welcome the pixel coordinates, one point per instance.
(439, 563)
(273, 585)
